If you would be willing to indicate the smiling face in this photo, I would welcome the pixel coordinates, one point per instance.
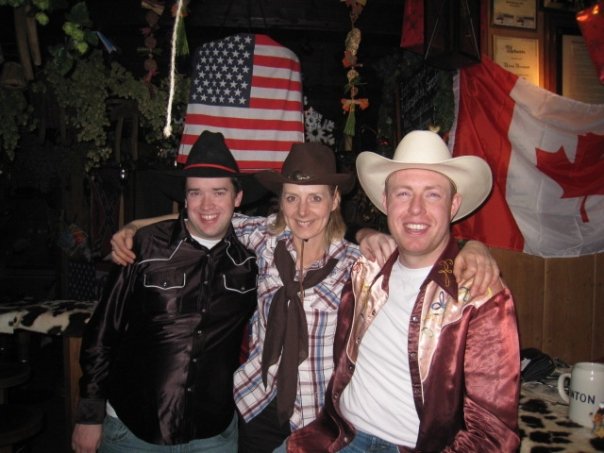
(210, 203)
(420, 206)
(306, 210)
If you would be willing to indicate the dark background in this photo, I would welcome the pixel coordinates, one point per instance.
(32, 213)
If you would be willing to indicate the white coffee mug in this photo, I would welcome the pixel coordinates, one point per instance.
(585, 391)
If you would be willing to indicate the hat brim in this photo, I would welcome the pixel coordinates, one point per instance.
(274, 181)
(172, 184)
(471, 176)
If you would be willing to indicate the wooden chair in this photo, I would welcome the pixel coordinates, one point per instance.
(17, 422)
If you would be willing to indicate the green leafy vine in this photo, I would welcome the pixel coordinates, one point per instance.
(84, 85)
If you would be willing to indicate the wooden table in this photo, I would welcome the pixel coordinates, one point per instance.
(65, 318)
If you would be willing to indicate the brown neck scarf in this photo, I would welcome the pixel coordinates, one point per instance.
(286, 328)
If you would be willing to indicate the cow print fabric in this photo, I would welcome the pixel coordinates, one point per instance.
(544, 426)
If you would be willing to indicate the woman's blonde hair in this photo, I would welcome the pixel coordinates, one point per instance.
(335, 228)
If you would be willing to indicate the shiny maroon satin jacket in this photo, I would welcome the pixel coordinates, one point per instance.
(164, 340)
(464, 360)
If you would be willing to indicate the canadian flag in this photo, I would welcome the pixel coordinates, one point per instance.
(547, 157)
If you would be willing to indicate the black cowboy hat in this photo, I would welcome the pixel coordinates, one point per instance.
(211, 158)
(307, 164)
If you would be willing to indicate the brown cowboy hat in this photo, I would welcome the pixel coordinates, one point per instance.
(307, 164)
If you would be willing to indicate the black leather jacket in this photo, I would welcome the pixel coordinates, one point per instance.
(164, 340)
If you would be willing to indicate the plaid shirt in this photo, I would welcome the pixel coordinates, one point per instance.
(321, 307)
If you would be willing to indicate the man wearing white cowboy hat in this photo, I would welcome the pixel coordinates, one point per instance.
(160, 350)
(280, 387)
(420, 366)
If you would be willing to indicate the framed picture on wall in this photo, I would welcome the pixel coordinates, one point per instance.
(563, 5)
(579, 76)
(515, 13)
(520, 56)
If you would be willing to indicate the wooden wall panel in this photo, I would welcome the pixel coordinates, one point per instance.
(598, 309)
(568, 308)
(72, 375)
(524, 276)
(559, 302)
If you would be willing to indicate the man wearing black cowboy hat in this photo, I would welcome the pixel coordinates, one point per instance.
(159, 353)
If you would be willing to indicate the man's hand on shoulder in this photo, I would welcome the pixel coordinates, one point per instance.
(375, 246)
(122, 241)
(121, 245)
(476, 269)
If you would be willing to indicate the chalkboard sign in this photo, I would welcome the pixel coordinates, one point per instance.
(416, 100)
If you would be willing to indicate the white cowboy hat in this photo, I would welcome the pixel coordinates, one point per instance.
(426, 150)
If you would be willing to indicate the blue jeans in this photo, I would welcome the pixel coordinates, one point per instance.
(281, 448)
(117, 438)
(366, 443)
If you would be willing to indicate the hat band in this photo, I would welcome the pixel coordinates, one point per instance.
(298, 176)
(220, 167)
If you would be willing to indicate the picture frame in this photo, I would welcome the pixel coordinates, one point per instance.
(556, 25)
(519, 55)
(514, 13)
(562, 5)
(579, 76)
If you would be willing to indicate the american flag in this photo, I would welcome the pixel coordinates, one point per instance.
(248, 87)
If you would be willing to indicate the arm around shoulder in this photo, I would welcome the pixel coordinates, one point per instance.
(122, 240)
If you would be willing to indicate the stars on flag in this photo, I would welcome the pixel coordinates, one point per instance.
(223, 72)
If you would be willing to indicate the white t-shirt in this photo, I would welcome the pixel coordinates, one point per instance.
(379, 398)
(207, 243)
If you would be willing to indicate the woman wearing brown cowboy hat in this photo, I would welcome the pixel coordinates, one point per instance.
(303, 263)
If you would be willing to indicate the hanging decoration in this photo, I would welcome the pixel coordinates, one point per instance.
(412, 34)
(182, 45)
(154, 11)
(178, 14)
(356, 7)
(353, 78)
(318, 128)
(591, 23)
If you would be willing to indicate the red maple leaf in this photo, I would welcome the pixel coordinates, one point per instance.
(581, 178)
